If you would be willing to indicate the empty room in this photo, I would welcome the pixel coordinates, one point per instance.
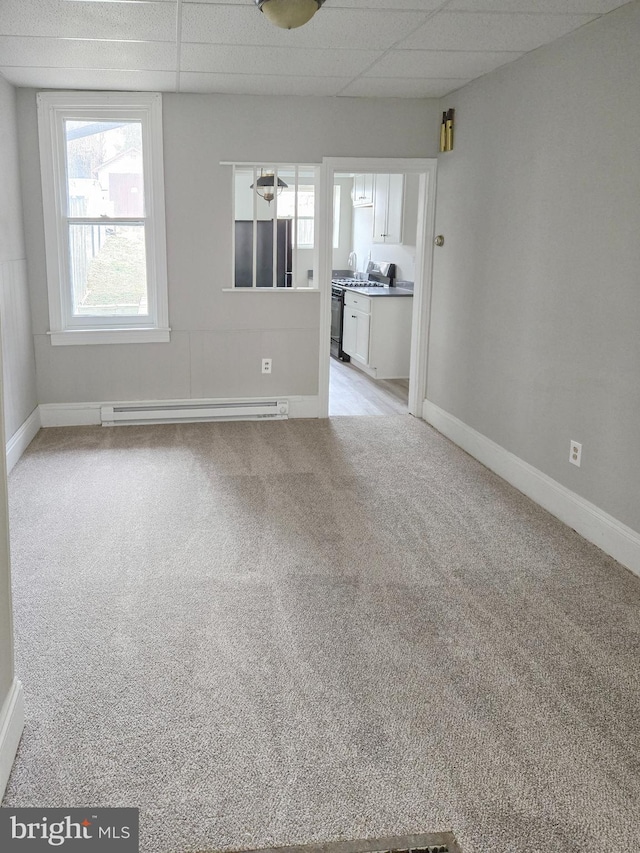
(320, 509)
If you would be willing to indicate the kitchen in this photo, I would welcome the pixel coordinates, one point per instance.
(371, 292)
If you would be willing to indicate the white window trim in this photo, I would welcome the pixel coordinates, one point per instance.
(53, 109)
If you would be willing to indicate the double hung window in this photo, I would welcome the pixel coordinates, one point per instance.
(103, 198)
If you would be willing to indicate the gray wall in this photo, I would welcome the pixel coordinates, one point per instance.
(536, 307)
(218, 338)
(15, 316)
(17, 350)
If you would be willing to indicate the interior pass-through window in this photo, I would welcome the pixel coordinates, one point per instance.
(274, 225)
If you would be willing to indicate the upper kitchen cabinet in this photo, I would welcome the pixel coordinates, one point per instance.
(362, 193)
(388, 193)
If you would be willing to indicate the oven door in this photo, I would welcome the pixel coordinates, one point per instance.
(337, 309)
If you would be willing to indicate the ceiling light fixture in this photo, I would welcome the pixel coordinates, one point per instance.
(265, 185)
(289, 14)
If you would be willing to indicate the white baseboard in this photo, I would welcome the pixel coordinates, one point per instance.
(612, 536)
(22, 438)
(304, 407)
(87, 414)
(69, 414)
(11, 726)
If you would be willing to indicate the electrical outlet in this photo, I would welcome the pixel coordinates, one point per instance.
(266, 365)
(575, 453)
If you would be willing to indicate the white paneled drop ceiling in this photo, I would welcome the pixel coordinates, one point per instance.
(367, 48)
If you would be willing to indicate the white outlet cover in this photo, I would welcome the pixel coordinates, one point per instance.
(575, 453)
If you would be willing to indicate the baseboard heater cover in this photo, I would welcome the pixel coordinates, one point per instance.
(157, 413)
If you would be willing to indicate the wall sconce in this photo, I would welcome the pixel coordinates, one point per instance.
(446, 131)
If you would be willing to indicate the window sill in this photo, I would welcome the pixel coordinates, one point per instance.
(74, 337)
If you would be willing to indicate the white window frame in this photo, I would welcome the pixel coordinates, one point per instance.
(54, 108)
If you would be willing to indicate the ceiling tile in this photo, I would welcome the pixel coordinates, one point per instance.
(254, 84)
(89, 78)
(391, 5)
(370, 87)
(491, 31)
(557, 7)
(154, 21)
(240, 59)
(439, 63)
(336, 28)
(71, 53)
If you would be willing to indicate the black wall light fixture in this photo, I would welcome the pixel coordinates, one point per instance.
(289, 14)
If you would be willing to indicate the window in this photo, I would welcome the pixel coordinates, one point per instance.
(103, 197)
(304, 214)
(274, 205)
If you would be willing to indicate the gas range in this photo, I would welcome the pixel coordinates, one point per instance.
(378, 275)
(356, 282)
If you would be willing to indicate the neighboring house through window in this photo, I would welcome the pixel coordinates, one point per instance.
(103, 197)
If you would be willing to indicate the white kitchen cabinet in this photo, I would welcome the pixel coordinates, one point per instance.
(362, 193)
(376, 333)
(388, 194)
(355, 327)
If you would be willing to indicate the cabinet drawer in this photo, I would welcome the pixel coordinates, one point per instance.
(356, 300)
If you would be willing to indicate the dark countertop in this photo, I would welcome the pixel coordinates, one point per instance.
(378, 291)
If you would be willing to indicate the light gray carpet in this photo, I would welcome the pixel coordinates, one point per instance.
(277, 633)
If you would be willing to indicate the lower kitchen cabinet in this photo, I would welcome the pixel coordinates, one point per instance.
(376, 334)
(355, 334)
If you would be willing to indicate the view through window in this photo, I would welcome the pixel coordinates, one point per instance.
(107, 262)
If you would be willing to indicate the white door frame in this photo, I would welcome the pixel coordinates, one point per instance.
(426, 169)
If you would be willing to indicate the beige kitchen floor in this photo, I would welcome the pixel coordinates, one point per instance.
(352, 392)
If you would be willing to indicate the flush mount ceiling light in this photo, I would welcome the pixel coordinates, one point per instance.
(265, 185)
(289, 14)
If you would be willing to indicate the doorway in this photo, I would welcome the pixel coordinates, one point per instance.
(391, 206)
(352, 392)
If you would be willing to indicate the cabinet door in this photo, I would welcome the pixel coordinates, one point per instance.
(380, 195)
(387, 208)
(368, 188)
(355, 334)
(394, 209)
(362, 194)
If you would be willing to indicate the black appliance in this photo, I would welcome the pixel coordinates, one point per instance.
(264, 253)
(377, 275)
(337, 311)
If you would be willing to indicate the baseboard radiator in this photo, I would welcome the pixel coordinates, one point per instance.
(157, 413)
